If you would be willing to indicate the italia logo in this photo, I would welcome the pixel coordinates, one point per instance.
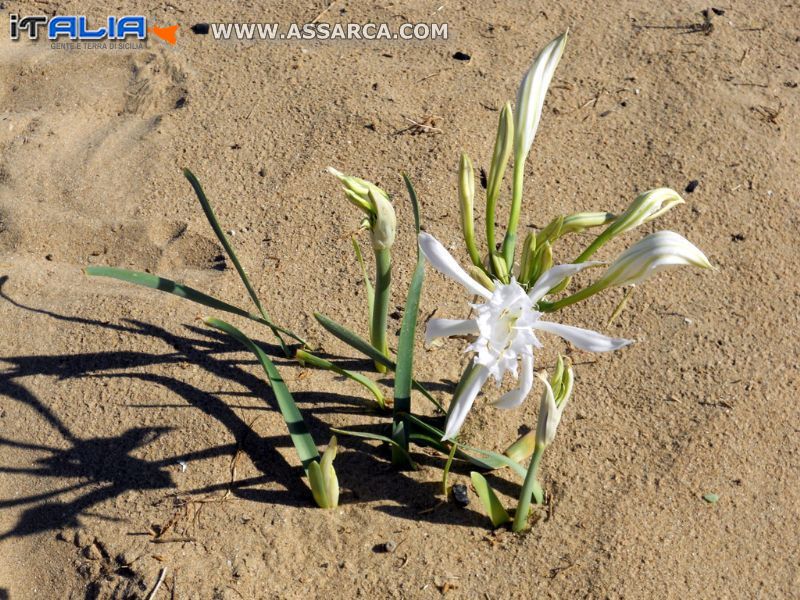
(78, 28)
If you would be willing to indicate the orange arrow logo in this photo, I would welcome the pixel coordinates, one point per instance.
(166, 33)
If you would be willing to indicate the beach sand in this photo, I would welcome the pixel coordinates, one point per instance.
(122, 416)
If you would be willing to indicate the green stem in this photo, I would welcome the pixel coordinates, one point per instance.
(380, 309)
(447, 466)
(530, 487)
(595, 245)
(510, 241)
(576, 297)
(584, 293)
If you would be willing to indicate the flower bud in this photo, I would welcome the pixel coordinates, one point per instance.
(526, 259)
(650, 255)
(574, 223)
(499, 267)
(479, 275)
(322, 476)
(358, 201)
(350, 183)
(645, 208)
(530, 96)
(357, 190)
(542, 261)
(466, 197)
(503, 144)
(383, 222)
(552, 405)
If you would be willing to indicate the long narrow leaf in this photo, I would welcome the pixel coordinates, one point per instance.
(405, 346)
(223, 239)
(320, 363)
(182, 291)
(358, 343)
(433, 435)
(497, 513)
(377, 437)
(303, 442)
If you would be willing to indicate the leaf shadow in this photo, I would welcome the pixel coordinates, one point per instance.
(106, 467)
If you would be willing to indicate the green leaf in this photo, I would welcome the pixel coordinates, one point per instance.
(400, 448)
(317, 482)
(223, 239)
(522, 447)
(303, 442)
(377, 437)
(405, 345)
(182, 291)
(367, 349)
(711, 498)
(447, 465)
(367, 282)
(496, 460)
(433, 436)
(320, 363)
(490, 501)
(329, 478)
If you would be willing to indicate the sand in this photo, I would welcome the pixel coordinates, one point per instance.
(120, 412)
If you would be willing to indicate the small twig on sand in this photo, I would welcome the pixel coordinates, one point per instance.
(326, 9)
(705, 27)
(434, 74)
(426, 125)
(160, 580)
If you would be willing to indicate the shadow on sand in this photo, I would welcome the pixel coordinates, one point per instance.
(105, 467)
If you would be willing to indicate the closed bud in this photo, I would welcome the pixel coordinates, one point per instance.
(552, 406)
(526, 261)
(531, 94)
(358, 190)
(479, 275)
(350, 183)
(542, 261)
(503, 145)
(499, 267)
(322, 476)
(646, 207)
(466, 199)
(574, 223)
(383, 222)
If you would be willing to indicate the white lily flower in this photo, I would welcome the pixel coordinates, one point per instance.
(650, 255)
(531, 93)
(505, 326)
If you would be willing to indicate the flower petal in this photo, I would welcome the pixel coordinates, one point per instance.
(438, 328)
(585, 339)
(463, 402)
(442, 261)
(552, 277)
(515, 397)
